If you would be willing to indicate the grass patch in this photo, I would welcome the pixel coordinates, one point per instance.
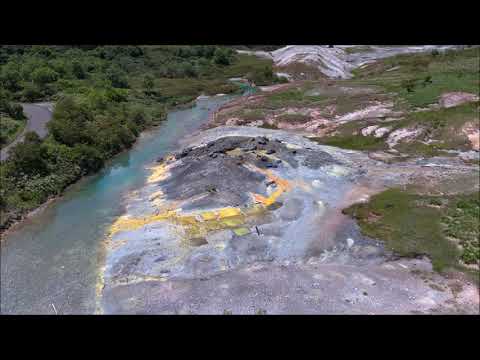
(266, 125)
(412, 225)
(421, 78)
(191, 87)
(443, 125)
(353, 142)
(462, 223)
(294, 118)
(291, 97)
(347, 137)
(358, 49)
(252, 115)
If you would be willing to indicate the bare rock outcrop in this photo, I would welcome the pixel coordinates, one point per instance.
(451, 99)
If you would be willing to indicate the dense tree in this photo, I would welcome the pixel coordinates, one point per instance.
(44, 75)
(15, 111)
(222, 56)
(77, 70)
(10, 79)
(148, 84)
(117, 77)
(88, 158)
(27, 157)
(31, 93)
(69, 122)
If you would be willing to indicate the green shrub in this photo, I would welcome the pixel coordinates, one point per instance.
(117, 77)
(408, 84)
(10, 79)
(31, 93)
(222, 56)
(44, 75)
(77, 70)
(68, 124)
(27, 157)
(88, 158)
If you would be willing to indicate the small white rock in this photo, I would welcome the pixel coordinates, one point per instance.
(350, 242)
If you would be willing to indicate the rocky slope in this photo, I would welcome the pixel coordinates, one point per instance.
(250, 216)
(193, 241)
(338, 62)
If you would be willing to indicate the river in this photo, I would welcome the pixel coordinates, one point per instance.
(49, 263)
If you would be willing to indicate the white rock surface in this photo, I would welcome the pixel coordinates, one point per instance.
(381, 131)
(350, 242)
(402, 134)
(369, 130)
(452, 99)
(330, 61)
(373, 111)
(336, 62)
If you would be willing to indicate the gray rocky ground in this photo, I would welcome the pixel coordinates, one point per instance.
(249, 220)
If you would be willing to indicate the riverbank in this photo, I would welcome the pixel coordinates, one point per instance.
(54, 256)
(105, 99)
(28, 215)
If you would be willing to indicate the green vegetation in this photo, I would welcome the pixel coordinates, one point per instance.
(353, 142)
(462, 221)
(420, 79)
(442, 125)
(258, 47)
(358, 49)
(292, 97)
(412, 225)
(294, 118)
(105, 96)
(252, 115)
(12, 119)
(10, 129)
(347, 136)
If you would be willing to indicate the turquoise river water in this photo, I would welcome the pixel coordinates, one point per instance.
(49, 263)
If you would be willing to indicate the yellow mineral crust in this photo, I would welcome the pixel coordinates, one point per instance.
(211, 220)
(128, 223)
(200, 223)
(160, 172)
(282, 186)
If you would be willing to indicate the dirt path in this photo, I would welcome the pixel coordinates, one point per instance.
(39, 115)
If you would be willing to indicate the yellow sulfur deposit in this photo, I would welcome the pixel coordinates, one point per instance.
(212, 220)
(209, 215)
(160, 172)
(128, 223)
(228, 212)
(282, 186)
(241, 231)
(199, 223)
